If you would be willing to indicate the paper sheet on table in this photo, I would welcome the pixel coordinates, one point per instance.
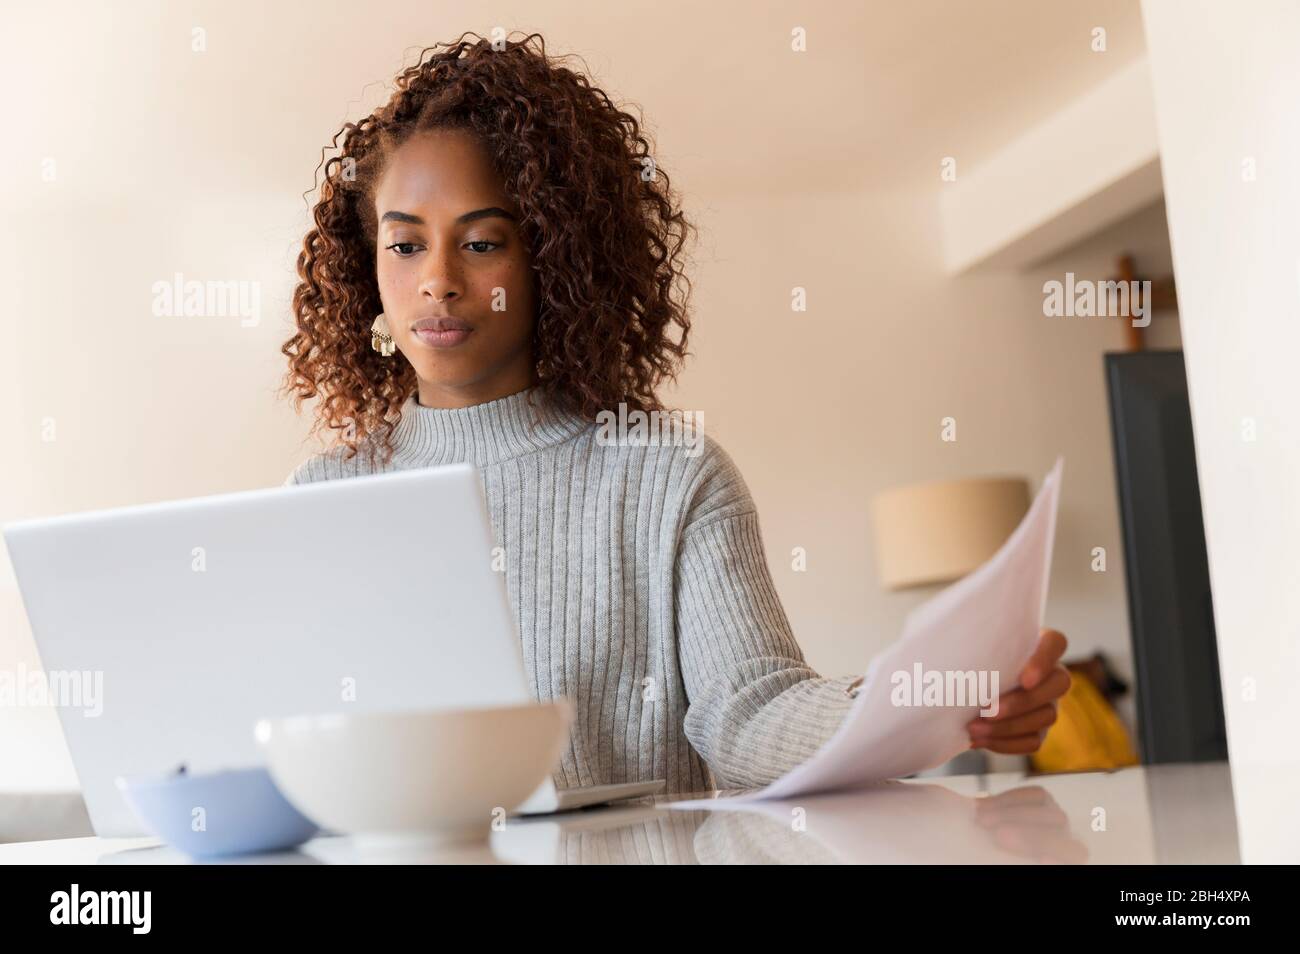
(988, 620)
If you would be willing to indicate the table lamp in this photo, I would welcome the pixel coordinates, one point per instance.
(939, 531)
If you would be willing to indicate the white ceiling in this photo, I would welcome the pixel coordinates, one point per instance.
(883, 92)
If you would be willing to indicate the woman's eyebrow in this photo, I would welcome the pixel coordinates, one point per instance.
(488, 213)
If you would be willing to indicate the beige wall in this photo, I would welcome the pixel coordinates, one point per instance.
(1226, 94)
(823, 409)
(170, 161)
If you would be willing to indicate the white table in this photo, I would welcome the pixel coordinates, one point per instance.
(1168, 814)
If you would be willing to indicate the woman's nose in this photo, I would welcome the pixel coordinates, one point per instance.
(441, 279)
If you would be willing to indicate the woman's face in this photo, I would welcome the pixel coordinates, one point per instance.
(454, 277)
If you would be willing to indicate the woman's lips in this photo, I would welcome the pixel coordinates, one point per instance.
(443, 339)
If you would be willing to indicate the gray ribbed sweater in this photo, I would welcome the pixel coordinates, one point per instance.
(638, 577)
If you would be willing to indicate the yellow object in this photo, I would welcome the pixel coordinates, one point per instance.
(1087, 735)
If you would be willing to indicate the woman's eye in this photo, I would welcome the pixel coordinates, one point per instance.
(406, 249)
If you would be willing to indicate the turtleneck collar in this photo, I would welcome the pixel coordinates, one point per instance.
(482, 433)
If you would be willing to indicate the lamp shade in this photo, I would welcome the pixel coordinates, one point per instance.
(941, 530)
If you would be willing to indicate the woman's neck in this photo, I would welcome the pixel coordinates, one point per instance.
(484, 433)
(448, 396)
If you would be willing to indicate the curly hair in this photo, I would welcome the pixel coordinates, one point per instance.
(603, 226)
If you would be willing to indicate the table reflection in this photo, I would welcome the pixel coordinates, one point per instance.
(894, 822)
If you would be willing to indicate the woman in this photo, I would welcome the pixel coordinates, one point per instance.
(496, 260)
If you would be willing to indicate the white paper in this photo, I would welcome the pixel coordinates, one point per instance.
(989, 620)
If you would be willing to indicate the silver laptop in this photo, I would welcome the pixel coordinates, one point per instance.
(198, 617)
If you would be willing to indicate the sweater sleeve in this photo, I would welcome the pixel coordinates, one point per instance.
(756, 708)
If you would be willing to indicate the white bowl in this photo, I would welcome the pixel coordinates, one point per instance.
(440, 774)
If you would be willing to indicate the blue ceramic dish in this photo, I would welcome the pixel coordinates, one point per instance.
(221, 813)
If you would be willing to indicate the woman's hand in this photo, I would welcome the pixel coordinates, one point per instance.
(1025, 714)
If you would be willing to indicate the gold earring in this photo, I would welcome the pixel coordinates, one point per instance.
(380, 339)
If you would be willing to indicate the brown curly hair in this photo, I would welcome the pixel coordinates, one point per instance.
(604, 229)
